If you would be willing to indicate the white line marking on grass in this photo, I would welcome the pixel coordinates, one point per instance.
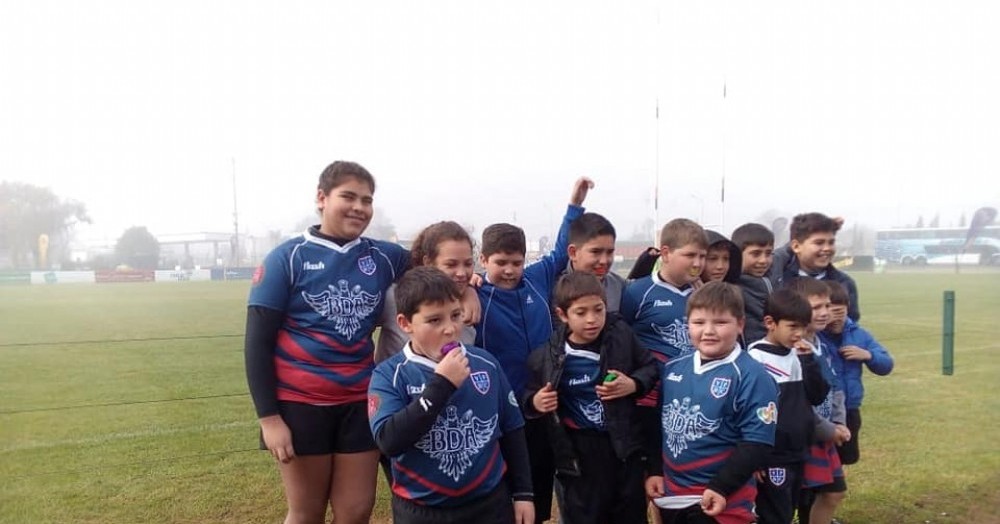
(125, 435)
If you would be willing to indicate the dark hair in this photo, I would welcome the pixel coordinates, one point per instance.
(838, 293)
(427, 241)
(503, 238)
(752, 235)
(809, 287)
(574, 286)
(787, 304)
(423, 285)
(717, 296)
(589, 226)
(807, 224)
(338, 172)
(680, 232)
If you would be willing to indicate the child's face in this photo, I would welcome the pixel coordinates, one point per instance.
(504, 270)
(716, 264)
(820, 305)
(713, 332)
(346, 210)
(757, 259)
(455, 259)
(785, 333)
(584, 318)
(838, 316)
(594, 256)
(816, 251)
(432, 326)
(683, 265)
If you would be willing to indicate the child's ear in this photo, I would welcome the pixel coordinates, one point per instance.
(483, 259)
(572, 250)
(562, 315)
(404, 324)
(664, 252)
(796, 246)
(769, 322)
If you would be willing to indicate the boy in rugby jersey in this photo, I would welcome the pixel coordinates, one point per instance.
(800, 380)
(446, 416)
(583, 384)
(718, 411)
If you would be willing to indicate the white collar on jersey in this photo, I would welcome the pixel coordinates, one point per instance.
(700, 367)
(660, 282)
(420, 359)
(582, 353)
(332, 245)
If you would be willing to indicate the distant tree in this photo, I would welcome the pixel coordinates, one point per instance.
(28, 211)
(920, 221)
(935, 221)
(961, 220)
(645, 232)
(380, 227)
(138, 248)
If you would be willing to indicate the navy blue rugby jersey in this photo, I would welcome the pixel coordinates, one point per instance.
(579, 406)
(458, 460)
(656, 310)
(332, 297)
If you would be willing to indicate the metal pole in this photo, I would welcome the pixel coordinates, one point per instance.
(948, 335)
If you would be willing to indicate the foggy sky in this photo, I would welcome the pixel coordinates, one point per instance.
(486, 111)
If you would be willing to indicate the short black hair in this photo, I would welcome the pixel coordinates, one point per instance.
(338, 172)
(503, 238)
(589, 226)
(717, 296)
(809, 287)
(576, 285)
(838, 293)
(752, 235)
(424, 285)
(807, 224)
(787, 304)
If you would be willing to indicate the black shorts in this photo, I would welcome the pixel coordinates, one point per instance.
(648, 418)
(495, 508)
(839, 485)
(323, 430)
(850, 451)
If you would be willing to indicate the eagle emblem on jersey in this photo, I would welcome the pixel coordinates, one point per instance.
(683, 423)
(454, 440)
(345, 307)
(676, 335)
(594, 412)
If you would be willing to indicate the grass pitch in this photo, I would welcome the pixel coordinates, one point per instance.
(128, 403)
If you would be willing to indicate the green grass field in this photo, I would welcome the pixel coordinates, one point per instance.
(127, 403)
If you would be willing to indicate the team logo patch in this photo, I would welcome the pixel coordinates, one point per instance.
(367, 265)
(768, 414)
(512, 399)
(373, 404)
(719, 387)
(258, 275)
(776, 475)
(481, 381)
(455, 439)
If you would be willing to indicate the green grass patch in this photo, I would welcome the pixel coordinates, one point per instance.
(128, 403)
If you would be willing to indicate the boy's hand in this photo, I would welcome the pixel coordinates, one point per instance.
(855, 353)
(712, 503)
(471, 308)
(841, 434)
(476, 281)
(546, 400)
(803, 348)
(454, 367)
(524, 512)
(580, 189)
(621, 386)
(654, 487)
(278, 438)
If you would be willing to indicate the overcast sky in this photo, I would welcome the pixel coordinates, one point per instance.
(486, 111)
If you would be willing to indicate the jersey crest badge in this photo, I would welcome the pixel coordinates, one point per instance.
(367, 265)
(373, 404)
(258, 275)
(683, 423)
(345, 307)
(768, 414)
(455, 440)
(481, 381)
(719, 387)
(776, 476)
(676, 335)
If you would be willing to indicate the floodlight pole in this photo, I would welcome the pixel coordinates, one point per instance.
(236, 221)
(948, 335)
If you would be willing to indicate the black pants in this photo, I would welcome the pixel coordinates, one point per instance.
(850, 451)
(610, 490)
(542, 467)
(778, 494)
(690, 515)
(495, 508)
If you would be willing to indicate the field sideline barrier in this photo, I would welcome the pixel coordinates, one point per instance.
(182, 275)
(63, 277)
(15, 277)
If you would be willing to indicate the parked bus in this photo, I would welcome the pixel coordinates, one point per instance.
(937, 245)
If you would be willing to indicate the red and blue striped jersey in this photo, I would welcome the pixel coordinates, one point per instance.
(458, 460)
(332, 297)
(706, 410)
